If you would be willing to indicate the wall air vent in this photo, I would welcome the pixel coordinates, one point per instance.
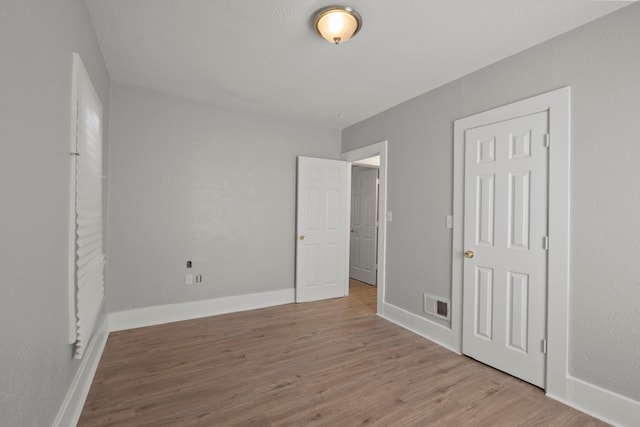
(437, 306)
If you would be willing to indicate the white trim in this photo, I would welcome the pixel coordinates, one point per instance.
(157, 315)
(347, 231)
(598, 402)
(422, 326)
(381, 149)
(557, 103)
(71, 408)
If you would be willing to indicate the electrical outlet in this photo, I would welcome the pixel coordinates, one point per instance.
(199, 278)
(188, 279)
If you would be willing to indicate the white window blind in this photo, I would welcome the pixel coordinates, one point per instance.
(88, 271)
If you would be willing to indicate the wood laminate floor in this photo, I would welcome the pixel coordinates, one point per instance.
(326, 363)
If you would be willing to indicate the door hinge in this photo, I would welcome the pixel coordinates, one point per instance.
(544, 346)
(547, 140)
(545, 243)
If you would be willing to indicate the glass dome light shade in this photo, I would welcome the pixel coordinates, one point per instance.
(338, 24)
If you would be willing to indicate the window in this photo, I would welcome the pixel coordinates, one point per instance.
(86, 269)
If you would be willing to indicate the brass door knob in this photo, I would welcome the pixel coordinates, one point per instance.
(352, 230)
(302, 237)
(469, 254)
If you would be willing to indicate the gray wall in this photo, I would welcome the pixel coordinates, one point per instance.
(601, 63)
(190, 181)
(37, 39)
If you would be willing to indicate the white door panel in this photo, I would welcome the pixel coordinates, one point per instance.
(364, 212)
(505, 223)
(322, 229)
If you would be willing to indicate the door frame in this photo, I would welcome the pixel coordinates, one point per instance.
(557, 103)
(379, 148)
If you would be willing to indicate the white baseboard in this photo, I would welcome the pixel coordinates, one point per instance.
(71, 408)
(610, 407)
(149, 316)
(424, 327)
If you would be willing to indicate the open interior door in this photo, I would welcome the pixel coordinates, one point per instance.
(322, 229)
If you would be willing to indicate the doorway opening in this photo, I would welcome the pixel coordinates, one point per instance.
(363, 241)
(367, 245)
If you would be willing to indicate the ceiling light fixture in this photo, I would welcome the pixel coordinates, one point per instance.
(337, 24)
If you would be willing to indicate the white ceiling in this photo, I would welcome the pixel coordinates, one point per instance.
(264, 56)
